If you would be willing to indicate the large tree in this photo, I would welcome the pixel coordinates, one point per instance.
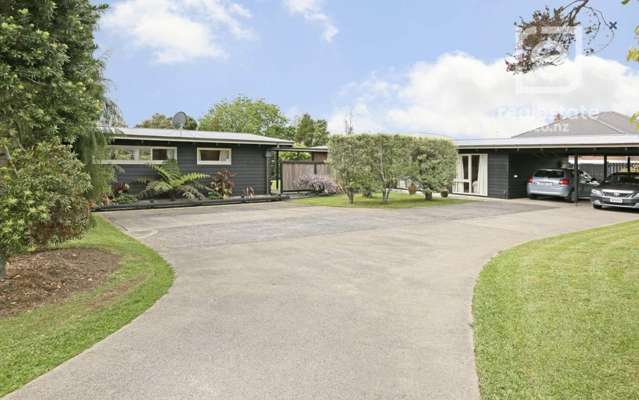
(50, 83)
(246, 115)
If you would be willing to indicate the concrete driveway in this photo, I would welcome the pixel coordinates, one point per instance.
(279, 301)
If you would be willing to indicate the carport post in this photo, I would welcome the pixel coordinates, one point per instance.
(629, 164)
(605, 174)
(576, 189)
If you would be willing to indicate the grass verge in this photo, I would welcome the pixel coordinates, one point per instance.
(557, 318)
(34, 342)
(397, 200)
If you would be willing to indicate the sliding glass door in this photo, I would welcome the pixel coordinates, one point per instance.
(472, 174)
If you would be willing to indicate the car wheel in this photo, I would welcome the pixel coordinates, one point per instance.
(532, 196)
(598, 207)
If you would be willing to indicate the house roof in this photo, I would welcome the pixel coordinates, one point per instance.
(605, 123)
(608, 129)
(178, 135)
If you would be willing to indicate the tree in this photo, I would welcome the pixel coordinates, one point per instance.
(347, 161)
(310, 132)
(435, 164)
(157, 121)
(388, 157)
(161, 121)
(305, 130)
(549, 34)
(51, 86)
(247, 116)
(50, 83)
(41, 198)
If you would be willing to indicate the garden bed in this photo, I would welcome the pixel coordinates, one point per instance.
(51, 276)
(165, 203)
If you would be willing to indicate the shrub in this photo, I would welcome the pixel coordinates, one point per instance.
(348, 161)
(436, 161)
(41, 198)
(317, 184)
(223, 183)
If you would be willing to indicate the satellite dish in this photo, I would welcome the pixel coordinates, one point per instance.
(179, 120)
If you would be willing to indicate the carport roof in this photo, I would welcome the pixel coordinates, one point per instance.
(178, 135)
(601, 141)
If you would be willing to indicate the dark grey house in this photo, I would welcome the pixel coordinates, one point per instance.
(501, 167)
(246, 155)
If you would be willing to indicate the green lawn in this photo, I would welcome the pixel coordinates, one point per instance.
(32, 343)
(559, 318)
(397, 200)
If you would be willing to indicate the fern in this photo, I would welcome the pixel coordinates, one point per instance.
(174, 183)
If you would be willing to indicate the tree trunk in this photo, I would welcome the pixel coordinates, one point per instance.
(386, 195)
(350, 195)
(428, 195)
(3, 266)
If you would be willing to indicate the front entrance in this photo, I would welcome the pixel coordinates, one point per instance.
(472, 175)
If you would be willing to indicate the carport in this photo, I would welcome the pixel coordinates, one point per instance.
(501, 167)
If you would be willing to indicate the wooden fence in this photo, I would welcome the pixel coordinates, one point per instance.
(292, 171)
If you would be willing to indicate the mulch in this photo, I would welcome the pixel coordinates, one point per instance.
(47, 277)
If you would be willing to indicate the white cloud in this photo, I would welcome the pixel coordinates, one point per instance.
(178, 30)
(311, 10)
(461, 96)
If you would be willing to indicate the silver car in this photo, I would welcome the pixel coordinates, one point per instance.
(559, 183)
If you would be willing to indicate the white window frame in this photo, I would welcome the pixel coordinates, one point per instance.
(137, 160)
(202, 162)
(459, 181)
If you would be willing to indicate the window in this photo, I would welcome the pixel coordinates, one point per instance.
(549, 173)
(140, 154)
(213, 156)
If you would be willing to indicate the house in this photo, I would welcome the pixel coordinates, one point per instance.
(501, 167)
(248, 156)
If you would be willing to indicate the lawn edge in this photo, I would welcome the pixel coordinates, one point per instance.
(156, 286)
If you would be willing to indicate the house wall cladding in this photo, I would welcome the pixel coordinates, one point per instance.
(498, 175)
(248, 162)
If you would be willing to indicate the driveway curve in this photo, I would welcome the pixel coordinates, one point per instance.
(279, 301)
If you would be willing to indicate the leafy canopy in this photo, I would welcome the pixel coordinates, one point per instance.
(50, 83)
(310, 132)
(435, 164)
(246, 116)
(161, 121)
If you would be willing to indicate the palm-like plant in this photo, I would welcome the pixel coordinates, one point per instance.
(174, 183)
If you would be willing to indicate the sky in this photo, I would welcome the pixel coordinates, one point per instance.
(405, 66)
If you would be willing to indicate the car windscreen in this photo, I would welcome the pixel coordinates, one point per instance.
(624, 179)
(549, 173)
